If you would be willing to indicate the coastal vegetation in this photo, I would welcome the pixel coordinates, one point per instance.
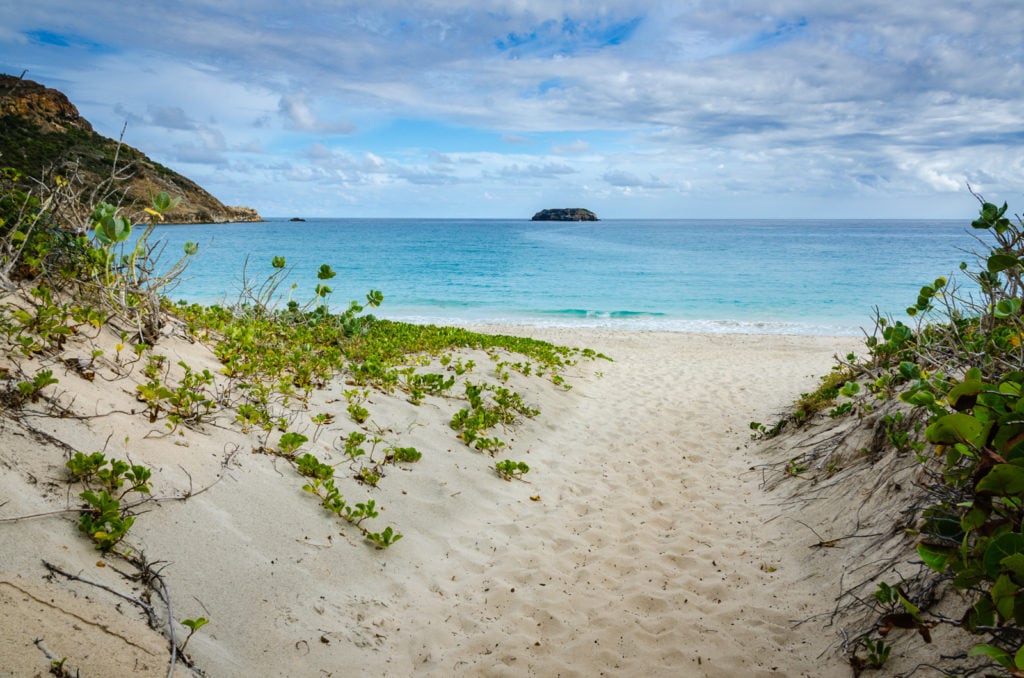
(88, 291)
(944, 387)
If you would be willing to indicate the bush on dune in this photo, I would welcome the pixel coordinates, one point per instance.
(956, 364)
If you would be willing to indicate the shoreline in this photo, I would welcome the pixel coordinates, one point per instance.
(734, 329)
(630, 322)
(639, 542)
(655, 325)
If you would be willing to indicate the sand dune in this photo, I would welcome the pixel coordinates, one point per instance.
(638, 544)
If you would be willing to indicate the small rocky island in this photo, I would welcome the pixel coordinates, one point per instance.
(565, 214)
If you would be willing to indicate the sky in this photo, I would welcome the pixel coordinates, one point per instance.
(479, 109)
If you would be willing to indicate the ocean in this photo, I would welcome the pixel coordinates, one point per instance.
(750, 276)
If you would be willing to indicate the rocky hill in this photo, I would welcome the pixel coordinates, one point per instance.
(42, 133)
(565, 214)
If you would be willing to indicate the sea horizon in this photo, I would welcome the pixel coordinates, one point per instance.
(751, 276)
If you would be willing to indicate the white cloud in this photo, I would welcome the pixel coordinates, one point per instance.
(810, 98)
(573, 148)
(298, 113)
(300, 116)
(171, 117)
(536, 171)
(630, 180)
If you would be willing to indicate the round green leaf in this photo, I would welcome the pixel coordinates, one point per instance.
(933, 556)
(1014, 564)
(965, 388)
(1004, 595)
(954, 428)
(1003, 546)
(1006, 308)
(1003, 480)
(1001, 262)
(918, 398)
(992, 652)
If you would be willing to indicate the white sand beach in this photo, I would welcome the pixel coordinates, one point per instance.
(639, 543)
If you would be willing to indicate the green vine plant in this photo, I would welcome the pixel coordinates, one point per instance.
(289, 443)
(420, 385)
(188, 402)
(259, 299)
(43, 327)
(403, 455)
(505, 408)
(358, 413)
(878, 653)
(107, 481)
(509, 470)
(31, 390)
(321, 484)
(319, 421)
(192, 625)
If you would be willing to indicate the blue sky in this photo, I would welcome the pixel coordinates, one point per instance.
(453, 108)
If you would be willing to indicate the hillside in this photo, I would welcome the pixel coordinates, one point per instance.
(42, 133)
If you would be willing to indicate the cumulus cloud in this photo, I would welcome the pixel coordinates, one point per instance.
(197, 153)
(171, 117)
(630, 180)
(441, 158)
(207, 146)
(536, 171)
(572, 148)
(300, 116)
(128, 116)
(297, 112)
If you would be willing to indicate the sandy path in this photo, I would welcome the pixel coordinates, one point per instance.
(649, 553)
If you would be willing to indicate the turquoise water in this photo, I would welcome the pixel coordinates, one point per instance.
(802, 277)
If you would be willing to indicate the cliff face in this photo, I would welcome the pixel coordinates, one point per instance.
(41, 132)
(565, 214)
(47, 108)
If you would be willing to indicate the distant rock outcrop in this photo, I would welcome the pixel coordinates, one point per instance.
(42, 133)
(565, 214)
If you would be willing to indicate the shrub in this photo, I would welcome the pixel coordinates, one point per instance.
(959, 362)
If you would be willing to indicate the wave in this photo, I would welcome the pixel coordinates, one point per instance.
(584, 313)
(625, 320)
